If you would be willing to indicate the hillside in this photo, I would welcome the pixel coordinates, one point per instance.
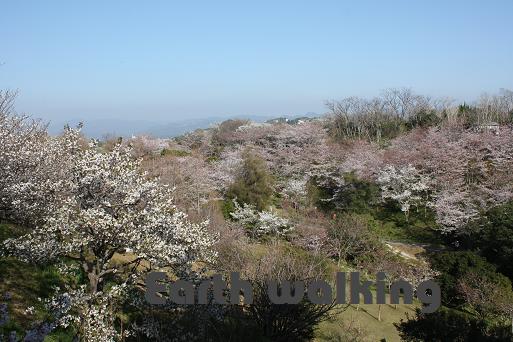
(418, 191)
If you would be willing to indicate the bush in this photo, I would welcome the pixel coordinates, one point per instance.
(354, 195)
(350, 237)
(454, 266)
(254, 184)
(264, 319)
(260, 224)
(492, 237)
(449, 325)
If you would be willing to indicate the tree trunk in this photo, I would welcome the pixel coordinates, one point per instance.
(93, 272)
(93, 282)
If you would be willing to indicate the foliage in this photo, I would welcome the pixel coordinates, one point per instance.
(492, 237)
(346, 193)
(398, 110)
(487, 298)
(449, 325)
(21, 287)
(351, 194)
(379, 118)
(454, 266)
(254, 184)
(104, 223)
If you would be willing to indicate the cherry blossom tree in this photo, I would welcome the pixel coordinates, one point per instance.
(144, 145)
(468, 171)
(260, 223)
(223, 171)
(364, 159)
(34, 165)
(190, 178)
(405, 185)
(295, 191)
(111, 208)
(488, 298)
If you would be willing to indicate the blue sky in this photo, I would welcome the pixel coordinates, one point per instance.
(176, 60)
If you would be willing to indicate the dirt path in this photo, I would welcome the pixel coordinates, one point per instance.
(412, 251)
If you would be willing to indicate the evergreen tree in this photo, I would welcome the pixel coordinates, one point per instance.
(254, 184)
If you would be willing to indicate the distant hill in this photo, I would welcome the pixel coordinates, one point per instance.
(98, 128)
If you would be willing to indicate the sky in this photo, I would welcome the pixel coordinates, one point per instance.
(166, 61)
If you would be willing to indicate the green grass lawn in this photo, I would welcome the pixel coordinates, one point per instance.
(365, 319)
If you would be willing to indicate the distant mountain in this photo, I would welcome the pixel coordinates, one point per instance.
(99, 128)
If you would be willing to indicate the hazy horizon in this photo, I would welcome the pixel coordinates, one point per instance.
(106, 127)
(162, 63)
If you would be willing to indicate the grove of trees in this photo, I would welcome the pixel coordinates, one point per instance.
(85, 221)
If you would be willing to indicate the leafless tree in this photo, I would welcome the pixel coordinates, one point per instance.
(7, 99)
(280, 322)
(349, 236)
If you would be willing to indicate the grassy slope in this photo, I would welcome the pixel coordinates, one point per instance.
(26, 283)
(365, 319)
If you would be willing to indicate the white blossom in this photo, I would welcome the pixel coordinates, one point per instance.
(260, 223)
(405, 185)
(101, 205)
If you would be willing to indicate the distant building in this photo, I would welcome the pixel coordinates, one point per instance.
(491, 127)
(278, 120)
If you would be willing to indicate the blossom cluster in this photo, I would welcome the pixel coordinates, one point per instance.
(86, 205)
(405, 185)
(260, 223)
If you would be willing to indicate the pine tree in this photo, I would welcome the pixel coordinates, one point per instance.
(254, 184)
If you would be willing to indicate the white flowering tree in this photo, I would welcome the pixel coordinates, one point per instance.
(223, 172)
(26, 154)
(260, 223)
(454, 210)
(92, 313)
(295, 191)
(469, 171)
(189, 176)
(110, 208)
(405, 185)
(42, 180)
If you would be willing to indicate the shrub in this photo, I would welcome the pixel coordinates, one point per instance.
(492, 237)
(260, 224)
(449, 325)
(454, 266)
(254, 184)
